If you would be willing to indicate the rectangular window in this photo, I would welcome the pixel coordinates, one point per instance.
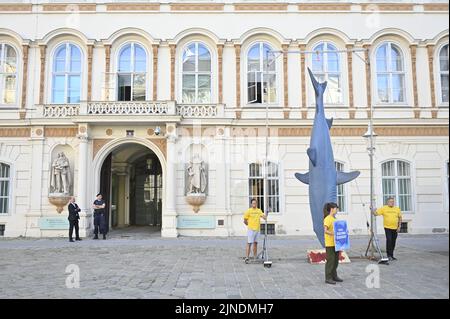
(404, 227)
(257, 188)
(124, 87)
(270, 229)
(4, 188)
(2, 230)
(396, 183)
(340, 190)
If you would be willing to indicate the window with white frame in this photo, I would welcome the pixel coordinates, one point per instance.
(261, 74)
(390, 73)
(326, 67)
(132, 73)
(8, 74)
(196, 74)
(340, 191)
(443, 73)
(396, 183)
(4, 188)
(257, 189)
(66, 74)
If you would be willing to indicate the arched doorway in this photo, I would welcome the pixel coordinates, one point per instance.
(131, 182)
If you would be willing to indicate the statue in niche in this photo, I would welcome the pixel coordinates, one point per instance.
(197, 176)
(60, 181)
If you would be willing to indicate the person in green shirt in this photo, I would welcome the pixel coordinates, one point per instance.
(392, 219)
(329, 213)
(252, 218)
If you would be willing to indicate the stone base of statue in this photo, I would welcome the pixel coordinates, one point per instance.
(196, 200)
(59, 200)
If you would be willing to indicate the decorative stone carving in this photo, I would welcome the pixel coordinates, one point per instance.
(60, 182)
(196, 182)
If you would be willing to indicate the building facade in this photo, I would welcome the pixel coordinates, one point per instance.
(163, 107)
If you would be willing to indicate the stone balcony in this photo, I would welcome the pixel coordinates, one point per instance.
(122, 109)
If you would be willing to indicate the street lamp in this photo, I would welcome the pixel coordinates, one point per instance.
(370, 137)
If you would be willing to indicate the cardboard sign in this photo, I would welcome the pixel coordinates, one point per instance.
(341, 238)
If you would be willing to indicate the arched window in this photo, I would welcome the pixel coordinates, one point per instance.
(132, 73)
(8, 74)
(326, 66)
(390, 74)
(196, 79)
(396, 183)
(443, 73)
(340, 191)
(66, 74)
(261, 74)
(257, 189)
(4, 188)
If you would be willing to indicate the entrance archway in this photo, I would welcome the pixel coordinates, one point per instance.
(130, 176)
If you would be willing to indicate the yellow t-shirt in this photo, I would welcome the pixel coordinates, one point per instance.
(253, 215)
(390, 215)
(329, 222)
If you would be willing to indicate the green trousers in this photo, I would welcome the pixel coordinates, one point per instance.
(332, 263)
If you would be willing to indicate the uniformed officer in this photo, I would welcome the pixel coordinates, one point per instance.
(99, 216)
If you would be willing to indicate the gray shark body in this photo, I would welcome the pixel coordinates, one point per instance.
(322, 177)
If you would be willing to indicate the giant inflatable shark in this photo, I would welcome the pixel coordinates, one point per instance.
(322, 177)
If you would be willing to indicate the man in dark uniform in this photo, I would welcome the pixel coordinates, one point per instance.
(99, 217)
(73, 219)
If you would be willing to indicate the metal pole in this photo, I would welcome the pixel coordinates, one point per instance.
(371, 154)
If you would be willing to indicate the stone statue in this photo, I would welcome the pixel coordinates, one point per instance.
(197, 176)
(60, 181)
(322, 177)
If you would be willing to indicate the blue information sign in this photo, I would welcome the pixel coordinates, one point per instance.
(341, 238)
(53, 223)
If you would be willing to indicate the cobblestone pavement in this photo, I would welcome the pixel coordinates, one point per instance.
(137, 266)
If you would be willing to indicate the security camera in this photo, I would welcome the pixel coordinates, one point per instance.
(157, 130)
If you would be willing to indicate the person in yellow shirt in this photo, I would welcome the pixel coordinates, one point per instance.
(392, 219)
(252, 218)
(329, 213)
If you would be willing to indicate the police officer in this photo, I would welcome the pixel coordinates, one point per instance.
(99, 217)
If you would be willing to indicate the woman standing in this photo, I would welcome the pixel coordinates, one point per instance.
(329, 212)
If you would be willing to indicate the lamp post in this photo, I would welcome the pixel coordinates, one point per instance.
(370, 137)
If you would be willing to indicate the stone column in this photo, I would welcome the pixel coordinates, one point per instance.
(35, 196)
(302, 47)
(169, 217)
(81, 195)
(42, 50)
(368, 78)
(351, 105)
(221, 179)
(155, 48)
(22, 111)
(413, 49)
(173, 48)
(220, 67)
(237, 48)
(285, 81)
(430, 51)
(89, 86)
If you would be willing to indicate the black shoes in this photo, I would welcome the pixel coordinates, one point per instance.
(95, 237)
(78, 239)
(337, 279)
(330, 281)
(71, 240)
(104, 236)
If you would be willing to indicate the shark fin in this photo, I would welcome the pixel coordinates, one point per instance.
(346, 177)
(315, 83)
(330, 123)
(312, 155)
(304, 178)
